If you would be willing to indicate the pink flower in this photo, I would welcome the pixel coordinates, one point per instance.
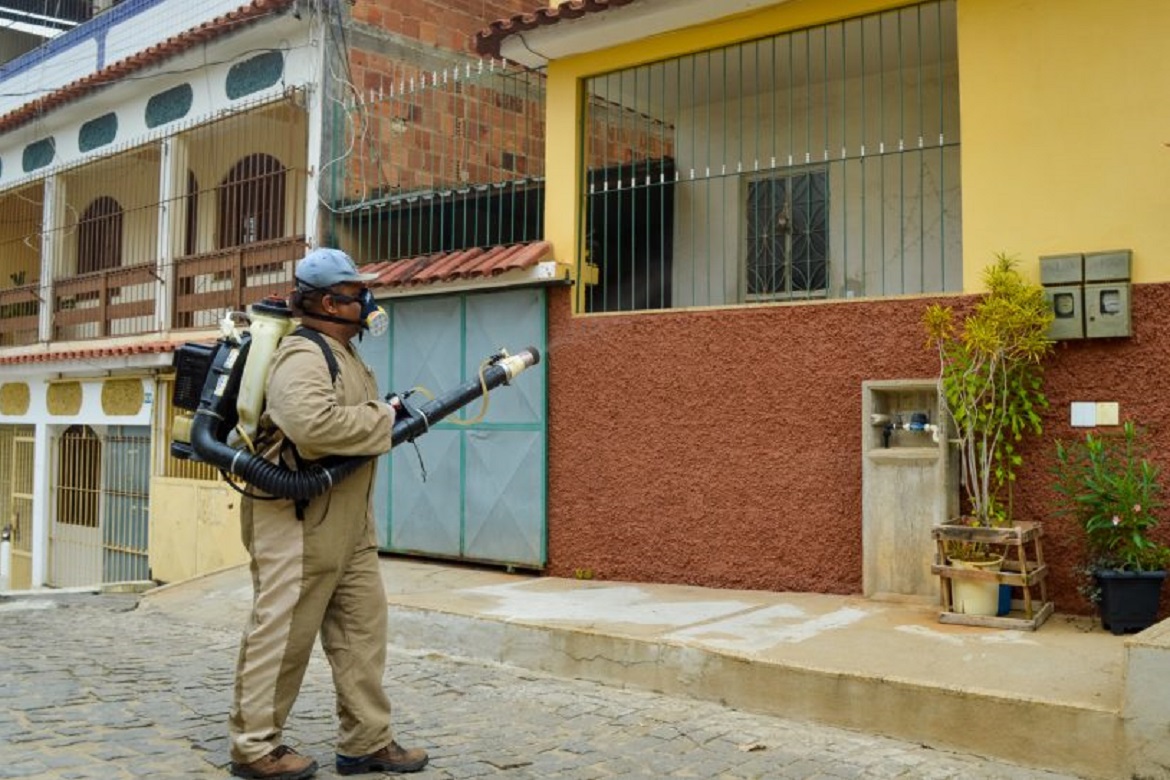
(1116, 520)
(1137, 507)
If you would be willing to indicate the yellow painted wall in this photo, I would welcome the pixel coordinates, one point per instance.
(280, 131)
(194, 528)
(20, 247)
(1065, 124)
(132, 180)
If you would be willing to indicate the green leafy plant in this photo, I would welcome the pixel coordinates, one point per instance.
(992, 377)
(1109, 485)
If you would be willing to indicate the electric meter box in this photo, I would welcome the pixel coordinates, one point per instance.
(1063, 278)
(1062, 269)
(1068, 306)
(1107, 294)
(1089, 294)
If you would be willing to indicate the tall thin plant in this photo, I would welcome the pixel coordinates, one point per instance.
(992, 377)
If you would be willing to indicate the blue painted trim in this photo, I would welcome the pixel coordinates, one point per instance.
(99, 25)
(100, 37)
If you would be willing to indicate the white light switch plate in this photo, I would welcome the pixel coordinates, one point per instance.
(1108, 413)
(1084, 414)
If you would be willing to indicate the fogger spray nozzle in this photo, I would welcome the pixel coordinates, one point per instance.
(514, 364)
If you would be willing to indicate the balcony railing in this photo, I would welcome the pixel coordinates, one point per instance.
(123, 301)
(18, 315)
(116, 302)
(211, 284)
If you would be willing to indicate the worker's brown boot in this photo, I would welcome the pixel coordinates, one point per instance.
(392, 758)
(283, 763)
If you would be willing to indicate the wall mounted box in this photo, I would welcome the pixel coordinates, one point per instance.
(1108, 266)
(1062, 277)
(1061, 270)
(1107, 310)
(1089, 294)
(1068, 309)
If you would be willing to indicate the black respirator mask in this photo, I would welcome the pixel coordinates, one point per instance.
(373, 318)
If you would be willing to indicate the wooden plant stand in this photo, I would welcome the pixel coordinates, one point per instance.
(1023, 568)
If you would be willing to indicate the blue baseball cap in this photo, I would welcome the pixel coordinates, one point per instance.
(324, 267)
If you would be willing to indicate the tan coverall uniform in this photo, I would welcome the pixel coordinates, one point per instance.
(320, 574)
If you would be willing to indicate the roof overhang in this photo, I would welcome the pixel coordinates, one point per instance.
(543, 273)
(578, 27)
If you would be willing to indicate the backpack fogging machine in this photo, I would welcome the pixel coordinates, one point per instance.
(222, 384)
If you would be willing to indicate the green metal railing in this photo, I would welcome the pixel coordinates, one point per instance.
(438, 161)
(818, 163)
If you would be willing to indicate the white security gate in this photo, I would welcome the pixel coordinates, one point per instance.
(484, 493)
(17, 463)
(100, 520)
(75, 538)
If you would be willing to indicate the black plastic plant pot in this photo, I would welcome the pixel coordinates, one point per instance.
(1129, 599)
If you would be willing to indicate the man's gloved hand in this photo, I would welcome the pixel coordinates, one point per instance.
(395, 403)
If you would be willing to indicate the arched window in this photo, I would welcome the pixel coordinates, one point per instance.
(251, 201)
(191, 240)
(99, 236)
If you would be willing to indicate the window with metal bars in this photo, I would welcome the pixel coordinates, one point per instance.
(817, 163)
(251, 202)
(99, 236)
(787, 236)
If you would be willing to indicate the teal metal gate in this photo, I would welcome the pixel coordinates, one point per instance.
(484, 495)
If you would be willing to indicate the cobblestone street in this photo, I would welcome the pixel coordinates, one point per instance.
(92, 688)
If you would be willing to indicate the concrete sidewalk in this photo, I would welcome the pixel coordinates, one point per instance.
(1054, 698)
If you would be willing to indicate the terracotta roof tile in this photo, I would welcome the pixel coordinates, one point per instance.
(413, 271)
(463, 264)
(92, 353)
(488, 41)
(159, 52)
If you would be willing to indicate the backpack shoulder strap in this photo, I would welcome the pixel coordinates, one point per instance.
(319, 340)
(334, 370)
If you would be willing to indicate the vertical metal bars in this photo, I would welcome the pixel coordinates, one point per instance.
(75, 533)
(17, 448)
(817, 163)
(438, 160)
(241, 191)
(243, 205)
(20, 246)
(125, 515)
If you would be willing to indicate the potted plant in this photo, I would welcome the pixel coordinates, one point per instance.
(1109, 485)
(991, 378)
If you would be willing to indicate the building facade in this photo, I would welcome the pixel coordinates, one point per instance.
(163, 164)
(759, 200)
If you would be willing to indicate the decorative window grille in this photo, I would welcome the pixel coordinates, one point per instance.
(787, 236)
(818, 163)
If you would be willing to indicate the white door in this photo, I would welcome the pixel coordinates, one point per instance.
(75, 539)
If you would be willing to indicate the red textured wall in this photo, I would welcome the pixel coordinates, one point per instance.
(723, 447)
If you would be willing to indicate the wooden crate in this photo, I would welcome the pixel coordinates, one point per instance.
(1023, 569)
